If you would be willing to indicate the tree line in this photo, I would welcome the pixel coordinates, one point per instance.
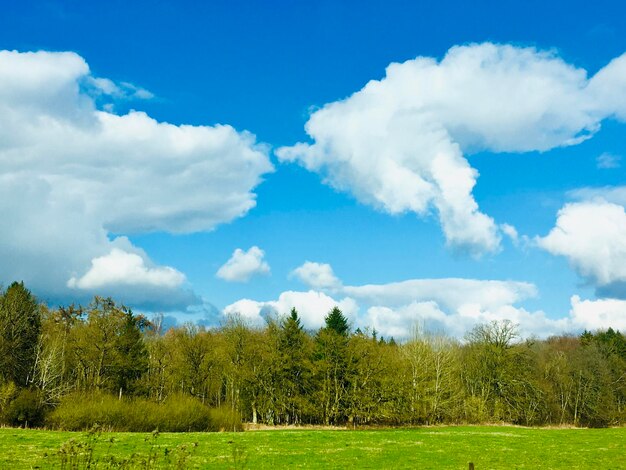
(60, 359)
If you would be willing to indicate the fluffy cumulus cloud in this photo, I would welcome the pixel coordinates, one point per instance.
(312, 307)
(598, 314)
(451, 293)
(394, 313)
(398, 144)
(72, 173)
(133, 277)
(121, 267)
(318, 276)
(449, 305)
(592, 236)
(453, 306)
(398, 322)
(242, 265)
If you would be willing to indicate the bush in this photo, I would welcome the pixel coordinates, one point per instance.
(8, 392)
(475, 411)
(225, 419)
(25, 410)
(179, 413)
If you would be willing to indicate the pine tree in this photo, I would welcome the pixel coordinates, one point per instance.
(337, 322)
(292, 331)
(331, 350)
(20, 326)
(295, 370)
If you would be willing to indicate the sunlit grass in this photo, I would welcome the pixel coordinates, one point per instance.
(434, 447)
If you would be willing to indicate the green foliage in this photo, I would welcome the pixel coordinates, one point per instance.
(337, 322)
(294, 372)
(108, 347)
(178, 413)
(8, 392)
(104, 364)
(20, 325)
(225, 419)
(25, 410)
(331, 366)
(292, 333)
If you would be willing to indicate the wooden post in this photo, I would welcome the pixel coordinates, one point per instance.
(471, 466)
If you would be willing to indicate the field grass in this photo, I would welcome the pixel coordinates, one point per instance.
(434, 447)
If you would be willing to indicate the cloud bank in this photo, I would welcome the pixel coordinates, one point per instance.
(450, 305)
(398, 144)
(312, 307)
(72, 174)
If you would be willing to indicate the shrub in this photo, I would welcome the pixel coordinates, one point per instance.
(475, 410)
(178, 413)
(8, 392)
(225, 419)
(25, 410)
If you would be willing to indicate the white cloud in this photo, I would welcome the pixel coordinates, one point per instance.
(398, 322)
(394, 309)
(121, 267)
(612, 194)
(598, 314)
(607, 161)
(123, 90)
(450, 305)
(510, 232)
(398, 143)
(242, 265)
(312, 307)
(317, 276)
(128, 275)
(394, 316)
(592, 236)
(451, 293)
(71, 174)
(249, 310)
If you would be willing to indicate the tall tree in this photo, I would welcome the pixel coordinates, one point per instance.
(337, 322)
(20, 327)
(109, 349)
(488, 356)
(295, 367)
(331, 360)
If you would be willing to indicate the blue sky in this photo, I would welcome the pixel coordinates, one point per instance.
(268, 68)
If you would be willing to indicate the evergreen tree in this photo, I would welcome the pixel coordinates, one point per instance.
(292, 332)
(20, 326)
(337, 322)
(295, 372)
(108, 347)
(131, 358)
(331, 360)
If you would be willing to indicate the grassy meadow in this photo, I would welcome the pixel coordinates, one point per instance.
(428, 447)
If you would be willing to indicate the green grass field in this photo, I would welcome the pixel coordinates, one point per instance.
(436, 447)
